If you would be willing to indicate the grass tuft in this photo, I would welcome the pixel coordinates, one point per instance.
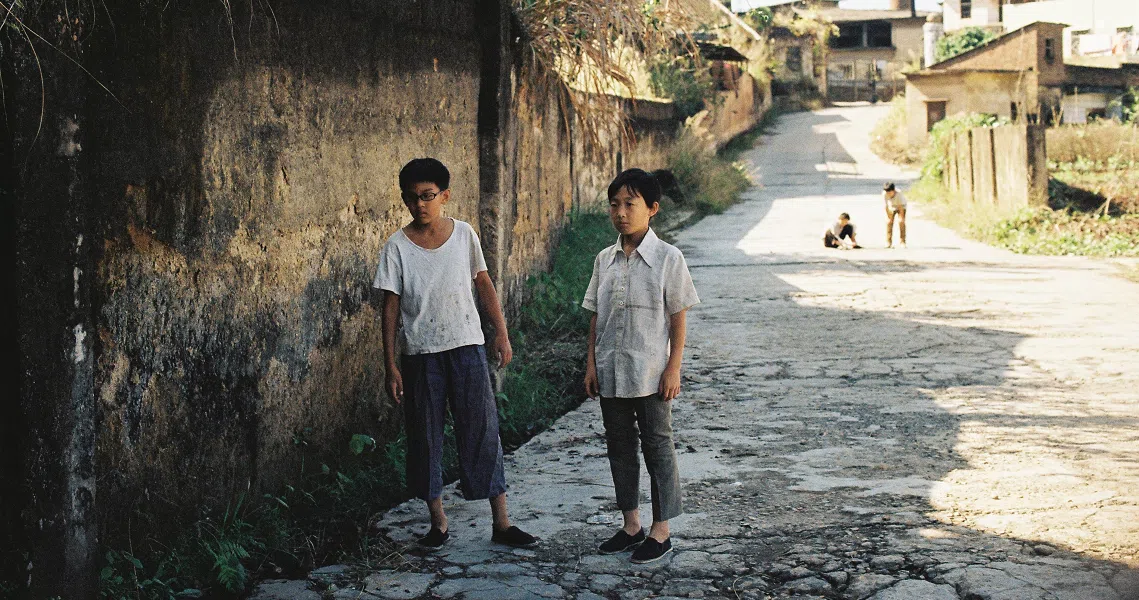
(889, 139)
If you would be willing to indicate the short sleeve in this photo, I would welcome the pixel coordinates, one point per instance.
(679, 292)
(590, 302)
(389, 274)
(478, 262)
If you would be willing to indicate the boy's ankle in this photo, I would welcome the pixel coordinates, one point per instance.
(632, 529)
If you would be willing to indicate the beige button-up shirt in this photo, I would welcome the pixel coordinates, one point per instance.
(634, 296)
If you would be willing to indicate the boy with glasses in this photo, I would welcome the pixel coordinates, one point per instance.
(430, 272)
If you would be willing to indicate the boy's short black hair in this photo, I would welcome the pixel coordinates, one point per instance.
(640, 183)
(424, 170)
(888, 187)
(844, 216)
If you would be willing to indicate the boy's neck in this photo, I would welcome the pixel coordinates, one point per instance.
(437, 226)
(631, 241)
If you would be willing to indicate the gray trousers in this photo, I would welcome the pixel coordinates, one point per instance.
(650, 419)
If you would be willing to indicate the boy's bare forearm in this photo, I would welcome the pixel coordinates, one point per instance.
(389, 318)
(488, 298)
(591, 350)
(677, 329)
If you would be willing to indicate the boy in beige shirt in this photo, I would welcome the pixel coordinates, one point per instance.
(640, 293)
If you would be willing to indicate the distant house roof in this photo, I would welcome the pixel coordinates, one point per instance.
(1000, 39)
(957, 72)
(850, 15)
(720, 52)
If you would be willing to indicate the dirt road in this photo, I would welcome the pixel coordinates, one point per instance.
(948, 421)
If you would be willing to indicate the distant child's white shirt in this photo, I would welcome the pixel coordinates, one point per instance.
(836, 228)
(898, 201)
(436, 288)
(634, 297)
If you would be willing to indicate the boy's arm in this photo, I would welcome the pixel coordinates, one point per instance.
(592, 387)
(388, 321)
(488, 298)
(670, 379)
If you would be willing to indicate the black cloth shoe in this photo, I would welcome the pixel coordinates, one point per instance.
(651, 550)
(621, 542)
(514, 537)
(434, 538)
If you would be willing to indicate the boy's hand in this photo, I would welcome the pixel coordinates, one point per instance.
(395, 385)
(592, 387)
(669, 384)
(502, 349)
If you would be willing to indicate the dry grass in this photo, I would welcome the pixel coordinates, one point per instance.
(889, 138)
(585, 53)
(1098, 142)
(1095, 167)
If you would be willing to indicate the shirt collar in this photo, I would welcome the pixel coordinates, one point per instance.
(649, 249)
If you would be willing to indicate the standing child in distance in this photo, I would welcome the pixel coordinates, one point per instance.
(429, 271)
(640, 293)
(895, 204)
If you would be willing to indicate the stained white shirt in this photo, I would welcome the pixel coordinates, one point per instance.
(634, 297)
(436, 288)
(898, 201)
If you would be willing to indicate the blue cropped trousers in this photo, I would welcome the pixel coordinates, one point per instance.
(458, 378)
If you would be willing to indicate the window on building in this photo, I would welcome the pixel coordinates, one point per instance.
(849, 36)
(878, 35)
(846, 71)
(1050, 51)
(795, 60)
(1014, 112)
(966, 9)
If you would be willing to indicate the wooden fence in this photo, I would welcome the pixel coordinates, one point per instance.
(1004, 166)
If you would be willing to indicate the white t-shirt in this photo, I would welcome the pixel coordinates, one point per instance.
(436, 288)
(898, 201)
(836, 228)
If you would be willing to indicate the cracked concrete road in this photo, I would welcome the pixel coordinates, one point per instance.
(949, 421)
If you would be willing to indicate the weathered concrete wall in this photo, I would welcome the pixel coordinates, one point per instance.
(243, 216)
(195, 253)
(998, 166)
(541, 190)
(732, 112)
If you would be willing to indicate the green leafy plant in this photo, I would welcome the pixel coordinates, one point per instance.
(759, 18)
(124, 576)
(227, 543)
(711, 182)
(680, 80)
(962, 41)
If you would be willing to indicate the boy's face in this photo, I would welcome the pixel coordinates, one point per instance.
(629, 212)
(425, 202)
(843, 221)
(891, 193)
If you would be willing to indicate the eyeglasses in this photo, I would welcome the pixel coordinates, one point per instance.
(425, 196)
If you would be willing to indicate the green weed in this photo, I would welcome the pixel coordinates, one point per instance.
(962, 41)
(889, 139)
(712, 183)
(1034, 230)
(544, 381)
